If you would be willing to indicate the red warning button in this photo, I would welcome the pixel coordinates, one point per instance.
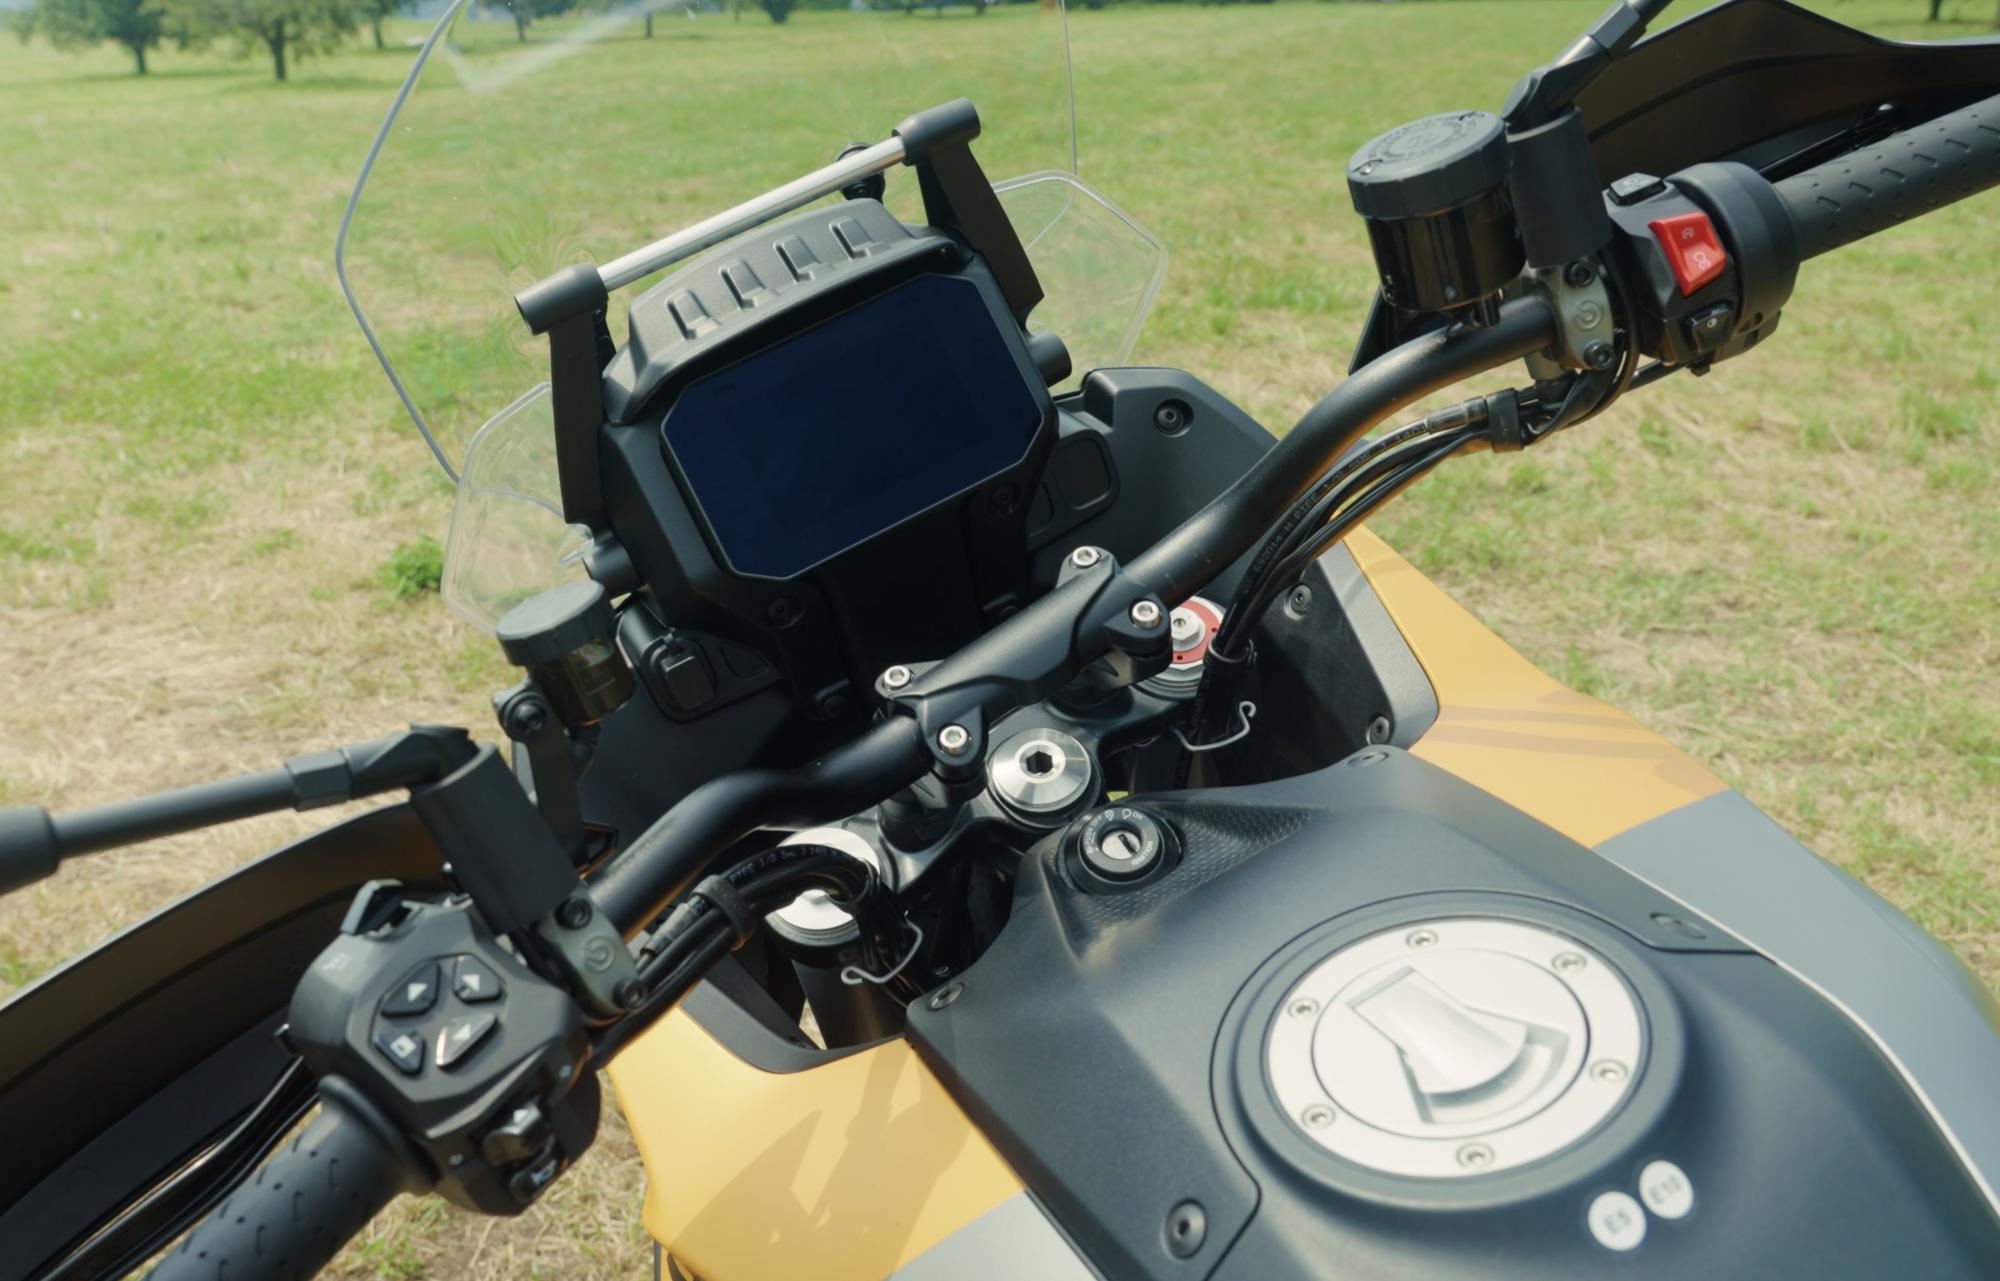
(1692, 249)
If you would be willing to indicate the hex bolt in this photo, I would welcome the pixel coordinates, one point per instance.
(630, 994)
(896, 677)
(530, 716)
(1599, 355)
(1317, 1117)
(1145, 614)
(946, 995)
(1580, 274)
(952, 740)
(574, 913)
(1085, 557)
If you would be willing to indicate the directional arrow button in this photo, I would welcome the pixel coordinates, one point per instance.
(458, 1037)
(474, 982)
(416, 993)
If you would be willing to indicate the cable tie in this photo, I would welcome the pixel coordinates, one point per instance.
(725, 898)
(855, 976)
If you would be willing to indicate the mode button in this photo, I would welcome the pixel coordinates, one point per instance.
(1691, 247)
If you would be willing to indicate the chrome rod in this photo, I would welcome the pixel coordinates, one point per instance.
(640, 263)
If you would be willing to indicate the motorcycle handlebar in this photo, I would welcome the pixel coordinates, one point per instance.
(1915, 172)
(291, 1217)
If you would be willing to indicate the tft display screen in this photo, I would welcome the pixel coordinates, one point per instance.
(849, 428)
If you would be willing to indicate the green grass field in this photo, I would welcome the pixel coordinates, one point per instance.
(1790, 568)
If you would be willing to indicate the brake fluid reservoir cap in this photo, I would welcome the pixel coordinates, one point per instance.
(1456, 1047)
(1429, 165)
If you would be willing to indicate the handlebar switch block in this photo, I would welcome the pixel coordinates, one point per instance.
(489, 1082)
(1706, 260)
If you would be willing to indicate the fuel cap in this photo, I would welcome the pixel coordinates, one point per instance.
(1455, 1047)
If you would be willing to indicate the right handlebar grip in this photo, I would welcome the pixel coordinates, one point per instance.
(1930, 166)
(296, 1212)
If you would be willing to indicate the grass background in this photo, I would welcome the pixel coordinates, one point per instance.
(1788, 568)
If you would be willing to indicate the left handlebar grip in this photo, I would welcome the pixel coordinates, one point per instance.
(294, 1214)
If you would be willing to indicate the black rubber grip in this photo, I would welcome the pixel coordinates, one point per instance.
(1925, 168)
(297, 1211)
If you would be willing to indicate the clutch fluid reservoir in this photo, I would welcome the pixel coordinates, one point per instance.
(1434, 195)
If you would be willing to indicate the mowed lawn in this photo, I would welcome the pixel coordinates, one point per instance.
(1790, 568)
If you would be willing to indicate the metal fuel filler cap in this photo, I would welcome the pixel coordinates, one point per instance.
(1456, 1047)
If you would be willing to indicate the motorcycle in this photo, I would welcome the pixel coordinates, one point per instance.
(1176, 883)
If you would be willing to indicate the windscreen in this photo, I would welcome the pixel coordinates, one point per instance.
(518, 147)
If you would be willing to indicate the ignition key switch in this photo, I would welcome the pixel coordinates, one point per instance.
(1120, 848)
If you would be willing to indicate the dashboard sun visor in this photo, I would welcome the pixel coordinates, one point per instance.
(850, 428)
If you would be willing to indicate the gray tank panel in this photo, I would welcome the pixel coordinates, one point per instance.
(1927, 1013)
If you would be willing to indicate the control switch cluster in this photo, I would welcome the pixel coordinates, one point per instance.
(483, 1064)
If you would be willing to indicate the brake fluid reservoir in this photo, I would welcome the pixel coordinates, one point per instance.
(1434, 195)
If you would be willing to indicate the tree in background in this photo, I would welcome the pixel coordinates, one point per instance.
(288, 29)
(376, 12)
(82, 24)
(526, 11)
(778, 9)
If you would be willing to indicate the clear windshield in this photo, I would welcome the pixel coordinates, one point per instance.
(516, 150)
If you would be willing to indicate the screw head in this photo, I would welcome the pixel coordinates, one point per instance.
(1085, 557)
(896, 677)
(529, 717)
(1172, 417)
(574, 913)
(1580, 274)
(946, 995)
(1570, 962)
(1599, 355)
(630, 994)
(782, 610)
(1317, 1117)
(1146, 614)
(1421, 938)
(1607, 1071)
(1475, 1156)
(1379, 730)
(1299, 601)
(954, 739)
(1303, 1008)
(1187, 1228)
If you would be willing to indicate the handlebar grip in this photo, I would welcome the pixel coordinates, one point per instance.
(1925, 168)
(296, 1212)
